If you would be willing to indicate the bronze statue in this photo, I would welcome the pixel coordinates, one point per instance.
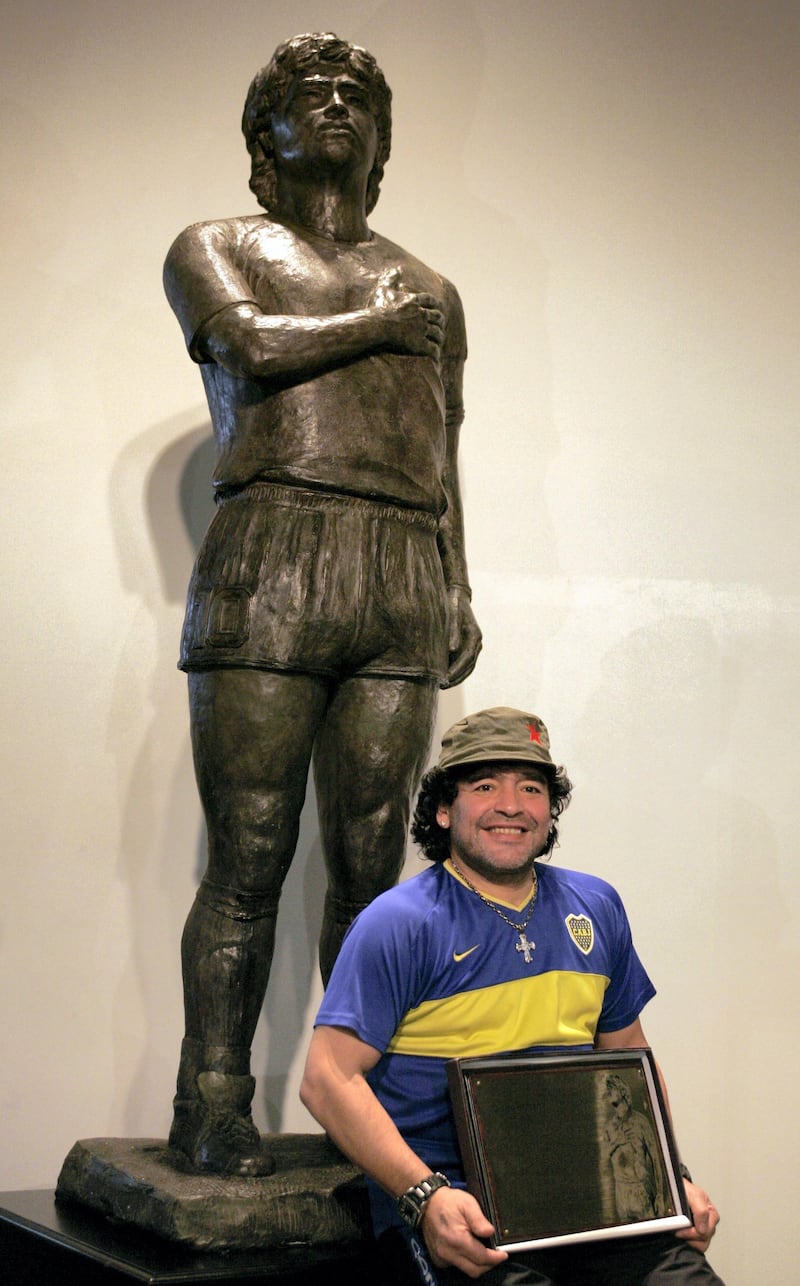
(330, 597)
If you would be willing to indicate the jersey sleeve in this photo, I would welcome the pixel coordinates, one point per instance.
(373, 980)
(629, 987)
(201, 278)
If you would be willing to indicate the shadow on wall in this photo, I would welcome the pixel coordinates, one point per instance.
(147, 737)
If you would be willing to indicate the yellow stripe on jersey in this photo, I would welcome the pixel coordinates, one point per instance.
(557, 1008)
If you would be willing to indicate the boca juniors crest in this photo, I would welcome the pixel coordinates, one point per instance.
(581, 930)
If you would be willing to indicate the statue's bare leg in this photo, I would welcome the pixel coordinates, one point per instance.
(370, 752)
(252, 734)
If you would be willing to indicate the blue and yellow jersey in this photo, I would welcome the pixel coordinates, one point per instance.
(429, 972)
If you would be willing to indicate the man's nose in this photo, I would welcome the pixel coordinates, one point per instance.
(336, 105)
(508, 800)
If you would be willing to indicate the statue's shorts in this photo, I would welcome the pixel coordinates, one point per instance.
(319, 583)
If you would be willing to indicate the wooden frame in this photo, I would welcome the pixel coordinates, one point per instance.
(567, 1147)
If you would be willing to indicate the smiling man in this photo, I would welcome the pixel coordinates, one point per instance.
(488, 950)
(330, 599)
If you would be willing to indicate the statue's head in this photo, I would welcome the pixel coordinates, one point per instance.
(270, 86)
(618, 1092)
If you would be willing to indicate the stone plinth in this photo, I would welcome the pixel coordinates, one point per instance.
(314, 1197)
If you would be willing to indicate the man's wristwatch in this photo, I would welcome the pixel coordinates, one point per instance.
(412, 1203)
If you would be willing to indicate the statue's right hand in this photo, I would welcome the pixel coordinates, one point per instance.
(410, 322)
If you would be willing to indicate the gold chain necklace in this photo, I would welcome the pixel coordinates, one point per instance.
(523, 945)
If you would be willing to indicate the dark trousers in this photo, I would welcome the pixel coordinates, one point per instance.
(653, 1260)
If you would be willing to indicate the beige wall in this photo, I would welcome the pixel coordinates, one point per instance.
(614, 188)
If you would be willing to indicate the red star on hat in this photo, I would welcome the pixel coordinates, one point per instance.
(535, 733)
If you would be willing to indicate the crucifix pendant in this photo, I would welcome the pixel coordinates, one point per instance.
(526, 947)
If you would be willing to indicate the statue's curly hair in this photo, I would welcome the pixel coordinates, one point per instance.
(440, 786)
(269, 89)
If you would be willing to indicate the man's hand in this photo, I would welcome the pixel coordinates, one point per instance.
(705, 1216)
(452, 1225)
(411, 323)
(465, 636)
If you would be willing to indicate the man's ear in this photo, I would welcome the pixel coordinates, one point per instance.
(443, 816)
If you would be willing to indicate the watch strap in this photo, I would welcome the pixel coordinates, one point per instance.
(411, 1205)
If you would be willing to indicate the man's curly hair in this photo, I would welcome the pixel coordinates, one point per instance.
(440, 786)
(269, 89)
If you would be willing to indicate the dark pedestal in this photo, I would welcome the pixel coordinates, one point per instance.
(44, 1243)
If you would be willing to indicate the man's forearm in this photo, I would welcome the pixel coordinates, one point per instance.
(249, 342)
(257, 345)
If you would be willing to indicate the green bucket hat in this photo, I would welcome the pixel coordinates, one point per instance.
(499, 733)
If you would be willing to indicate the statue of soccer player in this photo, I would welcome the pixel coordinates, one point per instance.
(330, 599)
(630, 1150)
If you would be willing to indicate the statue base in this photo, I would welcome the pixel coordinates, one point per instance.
(315, 1197)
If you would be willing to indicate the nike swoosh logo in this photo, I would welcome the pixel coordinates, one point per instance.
(462, 955)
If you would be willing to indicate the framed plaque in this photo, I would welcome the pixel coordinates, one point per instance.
(567, 1147)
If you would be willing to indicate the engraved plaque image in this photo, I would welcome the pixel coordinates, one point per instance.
(567, 1147)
